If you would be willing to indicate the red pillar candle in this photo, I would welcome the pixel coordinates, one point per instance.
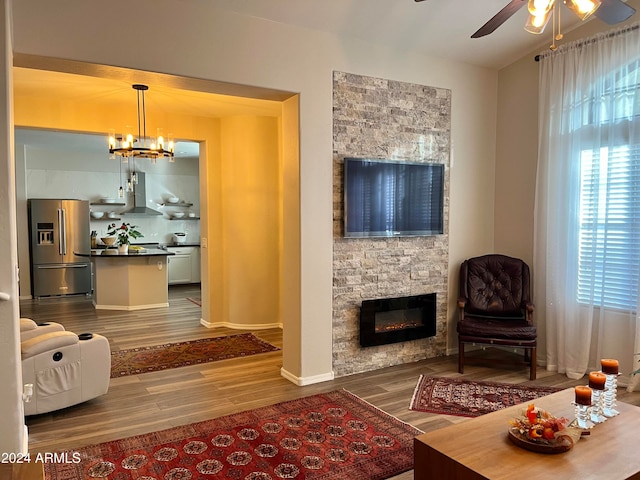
(609, 366)
(583, 395)
(597, 380)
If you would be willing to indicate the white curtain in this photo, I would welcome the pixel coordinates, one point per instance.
(587, 216)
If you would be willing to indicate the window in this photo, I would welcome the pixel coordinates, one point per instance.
(609, 237)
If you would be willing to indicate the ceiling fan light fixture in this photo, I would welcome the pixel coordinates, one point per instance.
(537, 23)
(583, 8)
(540, 8)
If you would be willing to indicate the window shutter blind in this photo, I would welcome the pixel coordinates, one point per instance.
(609, 237)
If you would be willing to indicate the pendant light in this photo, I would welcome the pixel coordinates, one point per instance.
(120, 190)
(125, 145)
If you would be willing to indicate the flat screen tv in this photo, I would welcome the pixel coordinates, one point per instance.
(392, 199)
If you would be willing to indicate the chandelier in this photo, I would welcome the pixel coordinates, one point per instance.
(126, 145)
(541, 11)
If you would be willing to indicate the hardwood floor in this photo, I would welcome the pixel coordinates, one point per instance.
(153, 401)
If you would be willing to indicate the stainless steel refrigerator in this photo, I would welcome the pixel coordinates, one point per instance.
(57, 229)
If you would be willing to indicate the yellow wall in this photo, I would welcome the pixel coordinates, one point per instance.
(251, 198)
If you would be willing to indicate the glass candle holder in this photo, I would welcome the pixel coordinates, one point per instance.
(583, 406)
(597, 381)
(610, 369)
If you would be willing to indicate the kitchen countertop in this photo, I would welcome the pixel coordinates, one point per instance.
(156, 246)
(113, 253)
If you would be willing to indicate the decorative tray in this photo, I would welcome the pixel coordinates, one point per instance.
(539, 431)
(563, 443)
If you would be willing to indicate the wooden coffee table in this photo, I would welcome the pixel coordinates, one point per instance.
(479, 448)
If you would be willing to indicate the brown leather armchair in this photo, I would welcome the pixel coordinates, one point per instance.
(495, 306)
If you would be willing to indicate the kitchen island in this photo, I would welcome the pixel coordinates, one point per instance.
(135, 280)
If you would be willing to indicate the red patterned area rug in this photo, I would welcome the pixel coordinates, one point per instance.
(465, 398)
(182, 354)
(331, 436)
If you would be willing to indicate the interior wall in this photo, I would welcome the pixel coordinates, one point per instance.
(251, 199)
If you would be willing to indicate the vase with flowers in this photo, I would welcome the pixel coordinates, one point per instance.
(124, 233)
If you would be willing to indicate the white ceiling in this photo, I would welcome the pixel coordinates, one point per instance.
(433, 27)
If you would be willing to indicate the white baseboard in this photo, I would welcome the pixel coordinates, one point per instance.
(25, 440)
(302, 381)
(240, 326)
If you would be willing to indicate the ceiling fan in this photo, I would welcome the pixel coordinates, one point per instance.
(609, 11)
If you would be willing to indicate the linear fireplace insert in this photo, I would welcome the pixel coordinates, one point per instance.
(392, 320)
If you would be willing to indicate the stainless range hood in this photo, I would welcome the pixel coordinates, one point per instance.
(140, 198)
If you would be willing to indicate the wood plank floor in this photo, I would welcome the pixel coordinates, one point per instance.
(153, 401)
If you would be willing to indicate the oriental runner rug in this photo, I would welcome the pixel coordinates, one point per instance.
(465, 398)
(182, 354)
(330, 436)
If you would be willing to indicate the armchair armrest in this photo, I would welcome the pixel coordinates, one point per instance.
(26, 324)
(529, 307)
(462, 302)
(30, 329)
(47, 342)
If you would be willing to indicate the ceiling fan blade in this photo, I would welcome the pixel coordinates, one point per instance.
(614, 11)
(499, 18)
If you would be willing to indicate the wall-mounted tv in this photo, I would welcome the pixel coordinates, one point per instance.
(384, 198)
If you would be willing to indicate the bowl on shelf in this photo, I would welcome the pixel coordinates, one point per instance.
(177, 214)
(112, 215)
(109, 200)
(192, 215)
(173, 199)
(97, 214)
(108, 241)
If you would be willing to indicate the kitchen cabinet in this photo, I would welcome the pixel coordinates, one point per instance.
(184, 265)
(195, 265)
(129, 281)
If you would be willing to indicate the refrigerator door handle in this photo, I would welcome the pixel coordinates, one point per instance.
(62, 222)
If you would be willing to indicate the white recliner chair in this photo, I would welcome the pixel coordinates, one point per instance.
(64, 368)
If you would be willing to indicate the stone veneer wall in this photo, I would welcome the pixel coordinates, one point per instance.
(385, 119)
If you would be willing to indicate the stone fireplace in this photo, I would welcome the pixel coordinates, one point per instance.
(399, 319)
(380, 118)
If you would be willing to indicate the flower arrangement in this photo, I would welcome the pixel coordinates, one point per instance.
(124, 232)
(539, 425)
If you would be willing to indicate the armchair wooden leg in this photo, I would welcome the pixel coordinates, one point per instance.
(460, 357)
(532, 368)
